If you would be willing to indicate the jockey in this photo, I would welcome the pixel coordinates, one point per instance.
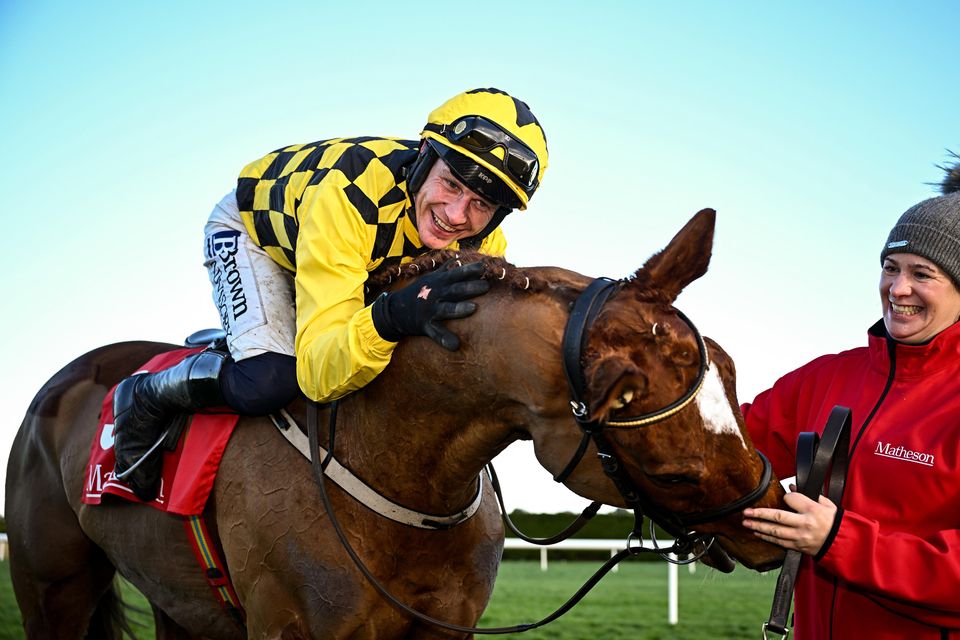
(289, 250)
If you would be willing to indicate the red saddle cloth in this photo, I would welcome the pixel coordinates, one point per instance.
(188, 472)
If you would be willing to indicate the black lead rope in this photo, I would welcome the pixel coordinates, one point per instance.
(814, 455)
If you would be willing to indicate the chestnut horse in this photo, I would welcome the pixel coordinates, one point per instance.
(420, 434)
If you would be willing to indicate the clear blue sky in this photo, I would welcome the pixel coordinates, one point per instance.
(809, 126)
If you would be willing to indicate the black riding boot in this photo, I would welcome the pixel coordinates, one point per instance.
(143, 406)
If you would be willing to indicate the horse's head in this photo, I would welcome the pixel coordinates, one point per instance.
(642, 357)
(507, 382)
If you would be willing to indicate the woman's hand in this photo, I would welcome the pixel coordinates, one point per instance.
(805, 531)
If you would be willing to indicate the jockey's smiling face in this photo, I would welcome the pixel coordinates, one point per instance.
(447, 210)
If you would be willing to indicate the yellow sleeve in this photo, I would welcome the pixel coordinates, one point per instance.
(338, 349)
(495, 244)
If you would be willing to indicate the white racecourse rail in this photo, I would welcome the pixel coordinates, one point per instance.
(613, 546)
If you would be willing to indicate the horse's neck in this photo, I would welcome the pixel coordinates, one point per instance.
(425, 428)
(424, 459)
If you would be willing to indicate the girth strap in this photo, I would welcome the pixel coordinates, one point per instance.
(814, 455)
(214, 570)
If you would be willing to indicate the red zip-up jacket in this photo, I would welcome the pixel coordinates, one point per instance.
(890, 567)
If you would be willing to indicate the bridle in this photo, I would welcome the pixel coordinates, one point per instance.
(585, 311)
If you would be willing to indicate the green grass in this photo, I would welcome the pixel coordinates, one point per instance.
(139, 615)
(631, 603)
(9, 614)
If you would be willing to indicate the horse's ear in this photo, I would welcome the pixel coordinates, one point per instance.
(685, 259)
(613, 384)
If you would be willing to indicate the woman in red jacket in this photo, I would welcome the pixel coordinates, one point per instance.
(885, 562)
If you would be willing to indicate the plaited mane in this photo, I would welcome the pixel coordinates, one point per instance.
(494, 269)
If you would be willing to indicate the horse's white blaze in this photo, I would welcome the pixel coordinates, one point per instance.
(715, 406)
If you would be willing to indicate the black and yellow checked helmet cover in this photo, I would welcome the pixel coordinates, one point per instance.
(495, 131)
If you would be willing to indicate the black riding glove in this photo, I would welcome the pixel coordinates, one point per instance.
(418, 308)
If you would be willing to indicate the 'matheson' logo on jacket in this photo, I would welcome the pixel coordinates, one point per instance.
(900, 453)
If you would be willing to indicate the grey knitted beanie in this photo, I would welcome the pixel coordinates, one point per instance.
(930, 229)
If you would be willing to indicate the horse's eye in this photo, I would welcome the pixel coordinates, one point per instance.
(625, 398)
(673, 479)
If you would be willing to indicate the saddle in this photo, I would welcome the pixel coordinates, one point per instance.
(193, 445)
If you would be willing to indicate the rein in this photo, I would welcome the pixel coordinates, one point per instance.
(814, 455)
(318, 472)
(567, 532)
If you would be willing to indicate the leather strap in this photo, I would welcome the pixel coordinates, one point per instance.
(584, 312)
(214, 570)
(367, 495)
(815, 455)
(575, 526)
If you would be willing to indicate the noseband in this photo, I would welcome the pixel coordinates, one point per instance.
(585, 311)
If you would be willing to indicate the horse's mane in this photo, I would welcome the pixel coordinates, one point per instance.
(495, 270)
(499, 271)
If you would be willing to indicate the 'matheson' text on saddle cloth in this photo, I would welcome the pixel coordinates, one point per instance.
(188, 471)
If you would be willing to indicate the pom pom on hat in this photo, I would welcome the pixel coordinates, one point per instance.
(951, 182)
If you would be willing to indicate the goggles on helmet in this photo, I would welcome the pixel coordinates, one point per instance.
(481, 136)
